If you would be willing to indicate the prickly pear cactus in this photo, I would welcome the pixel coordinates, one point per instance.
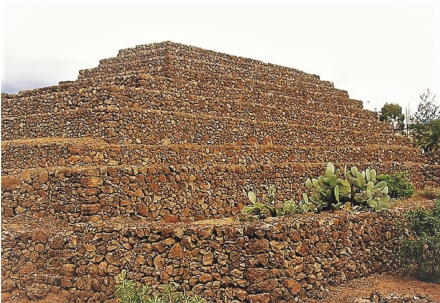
(334, 189)
(350, 190)
(258, 210)
(366, 191)
(328, 190)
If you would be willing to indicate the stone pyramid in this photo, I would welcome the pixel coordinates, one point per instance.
(173, 132)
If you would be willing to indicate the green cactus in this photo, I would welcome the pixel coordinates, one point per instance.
(352, 189)
(366, 191)
(290, 207)
(329, 190)
(258, 210)
(358, 188)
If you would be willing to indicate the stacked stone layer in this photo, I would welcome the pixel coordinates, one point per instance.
(155, 192)
(256, 105)
(89, 152)
(282, 260)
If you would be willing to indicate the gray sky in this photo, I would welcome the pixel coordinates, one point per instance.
(380, 51)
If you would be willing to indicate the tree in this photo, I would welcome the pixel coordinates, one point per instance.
(427, 136)
(427, 111)
(426, 123)
(392, 113)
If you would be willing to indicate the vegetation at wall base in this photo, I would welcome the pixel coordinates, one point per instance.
(399, 185)
(420, 242)
(128, 291)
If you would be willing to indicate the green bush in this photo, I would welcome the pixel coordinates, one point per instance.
(260, 210)
(420, 242)
(127, 291)
(399, 185)
(427, 136)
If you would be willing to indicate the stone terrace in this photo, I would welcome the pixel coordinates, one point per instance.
(165, 133)
(227, 124)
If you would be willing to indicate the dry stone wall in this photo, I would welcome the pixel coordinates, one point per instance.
(239, 86)
(431, 170)
(148, 126)
(154, 107)
(154, 192)
(168, 133)
(280, 260)
(257, 106)
(197, 108)
(196, 70)
(190, 54)
(89, 152)
(216, 88)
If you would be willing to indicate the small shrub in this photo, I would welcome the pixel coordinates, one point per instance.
(420, 242)
(127, 291)
(427, 136)
(399, 185)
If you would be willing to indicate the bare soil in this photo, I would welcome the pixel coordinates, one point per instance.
(397, 284)
(391, 284)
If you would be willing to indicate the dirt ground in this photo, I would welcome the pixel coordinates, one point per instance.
(391, 284)
(388, 284)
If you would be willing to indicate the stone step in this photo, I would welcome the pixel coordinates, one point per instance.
(157, 65)
(213, 57)
(206, 258)
(207, 88)
(156, 192)
(58, 152)
(193, 69)
(219, 88)
(76, 97)
(193, 54)
(123, 124)
(262, 109)
(333, 105)
(227, 79)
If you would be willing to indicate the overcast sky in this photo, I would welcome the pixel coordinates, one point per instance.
(379, 51)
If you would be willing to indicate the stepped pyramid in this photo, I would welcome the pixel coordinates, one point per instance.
(173, 132)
